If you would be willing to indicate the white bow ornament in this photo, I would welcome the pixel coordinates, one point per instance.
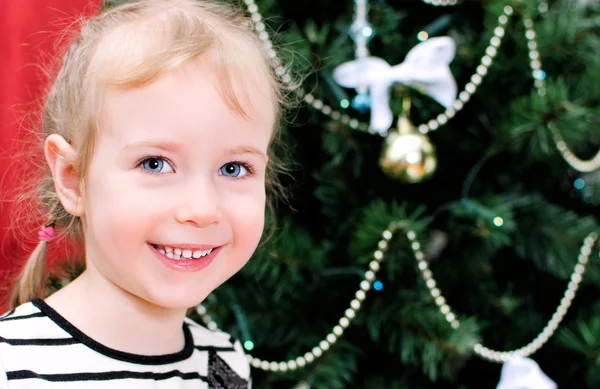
(425, 68)
(523, 373)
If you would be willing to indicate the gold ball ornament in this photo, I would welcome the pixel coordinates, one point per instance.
(407, 155)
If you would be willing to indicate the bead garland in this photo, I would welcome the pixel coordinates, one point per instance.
(543, 336)
(337, 331)
(539, 83)
(440, 301)
(361, 32)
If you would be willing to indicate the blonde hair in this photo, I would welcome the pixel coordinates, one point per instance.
(129, 46)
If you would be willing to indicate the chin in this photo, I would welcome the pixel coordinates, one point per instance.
(174, 300)
(183, 302)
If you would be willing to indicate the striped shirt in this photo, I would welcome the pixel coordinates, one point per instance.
(40, 349)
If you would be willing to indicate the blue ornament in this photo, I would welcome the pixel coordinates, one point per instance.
(361, 103)
(579, 184)
(377, 285)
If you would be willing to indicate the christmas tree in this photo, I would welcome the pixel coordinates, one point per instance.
(446, 273)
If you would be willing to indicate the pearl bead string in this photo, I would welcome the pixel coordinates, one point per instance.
(543, 336)
(433, 124)
(336, 332)
(439, 299)
(539, 83)
(360, 22)
(361, 32)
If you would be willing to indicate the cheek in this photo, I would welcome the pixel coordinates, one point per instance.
(115, 211)
(248, 220)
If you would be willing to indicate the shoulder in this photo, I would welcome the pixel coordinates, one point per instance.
(24, 333)
(221, 347)
(28, 322)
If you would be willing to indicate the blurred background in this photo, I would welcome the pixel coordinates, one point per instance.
(465, 228)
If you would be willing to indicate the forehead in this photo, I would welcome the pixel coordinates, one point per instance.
(195, 101)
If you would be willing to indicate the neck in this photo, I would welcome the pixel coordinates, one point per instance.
(118, 319)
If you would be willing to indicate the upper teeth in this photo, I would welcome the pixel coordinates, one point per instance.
(176, 253)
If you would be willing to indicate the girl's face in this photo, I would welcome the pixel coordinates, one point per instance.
(175, 170)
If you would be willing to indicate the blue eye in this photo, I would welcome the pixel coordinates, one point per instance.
(234, 170)
(156, 165)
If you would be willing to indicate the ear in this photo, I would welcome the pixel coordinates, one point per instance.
(61, 158)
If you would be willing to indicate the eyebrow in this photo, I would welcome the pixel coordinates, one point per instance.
(171, 146)
(167, 146)
(246, 150)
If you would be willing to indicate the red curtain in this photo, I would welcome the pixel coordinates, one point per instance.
(30, 31)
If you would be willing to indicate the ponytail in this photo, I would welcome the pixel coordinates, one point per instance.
(31, 280)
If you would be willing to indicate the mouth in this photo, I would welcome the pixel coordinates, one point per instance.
(185, 258)
(181, 253)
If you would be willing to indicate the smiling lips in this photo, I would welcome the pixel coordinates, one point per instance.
(181, 253)
(186, 258)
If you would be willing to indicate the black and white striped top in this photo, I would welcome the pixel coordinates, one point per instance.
(40, 349)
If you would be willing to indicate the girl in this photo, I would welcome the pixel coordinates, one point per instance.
(158, 135)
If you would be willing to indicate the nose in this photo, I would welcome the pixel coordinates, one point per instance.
(199, 205)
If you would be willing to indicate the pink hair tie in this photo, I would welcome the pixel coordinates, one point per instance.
(46, 234)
